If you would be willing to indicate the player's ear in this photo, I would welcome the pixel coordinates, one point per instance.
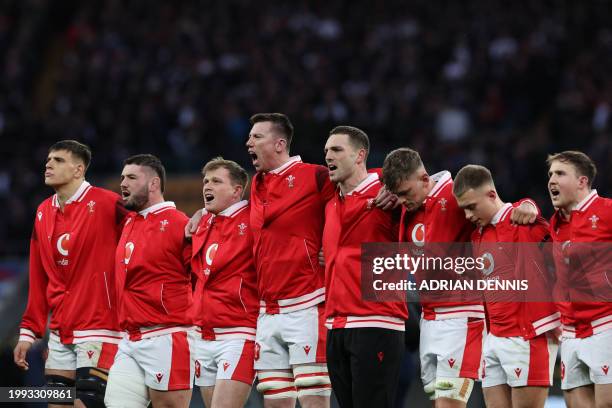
(583, 182)
(79, 170)
(155, 184)
(492, 194)
(281, 145)
(239, 190)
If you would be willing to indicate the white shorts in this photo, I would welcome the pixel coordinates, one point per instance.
(165, 362)
(519, 362)
(586, 361)
(451, 348)
(224, 360)
(286, 339)
(72, 356)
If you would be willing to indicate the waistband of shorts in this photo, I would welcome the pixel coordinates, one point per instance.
(594, 327)
(292, 304)
(454, 312)
(226, 333)
(373, 321)
(84, 336)
(154, 331)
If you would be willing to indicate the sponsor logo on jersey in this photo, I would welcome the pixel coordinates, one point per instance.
(418, 235)
(129, 250)
(489, 264)
(63, 244)
(211, 251)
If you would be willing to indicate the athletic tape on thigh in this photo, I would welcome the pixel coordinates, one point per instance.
(276, 384)
(454, 388)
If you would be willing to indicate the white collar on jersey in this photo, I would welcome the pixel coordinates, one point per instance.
(586, 202)
(293, 159)
(500, 215)
(234, 208)
(361, 187)
(75, 196)
(440, 178)
(164, 205)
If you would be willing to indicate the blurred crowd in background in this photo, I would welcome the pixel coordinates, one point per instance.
(482, 81)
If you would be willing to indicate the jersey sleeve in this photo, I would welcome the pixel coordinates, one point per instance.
(324, 184)
(34, 319)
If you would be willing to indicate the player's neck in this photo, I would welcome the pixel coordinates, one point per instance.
(348, 185)
(278, 161)
(66, 191)
(580, 197)
(153, 200)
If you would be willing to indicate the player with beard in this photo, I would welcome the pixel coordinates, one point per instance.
(154, 295)
(71, 276)
(582, 217)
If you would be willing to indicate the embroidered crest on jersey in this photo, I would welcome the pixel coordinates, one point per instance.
(162, 225)
(91, 206)
(594, 220)
(242, 228)
(39, 216)
(290, 179)
(443, 204)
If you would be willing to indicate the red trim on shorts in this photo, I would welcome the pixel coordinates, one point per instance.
(180, 367)
(472, 352)
(322, 336)
(107, 355)
(244, 371)
(539, 374)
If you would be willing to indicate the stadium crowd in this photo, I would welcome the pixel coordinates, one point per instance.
(482, 81)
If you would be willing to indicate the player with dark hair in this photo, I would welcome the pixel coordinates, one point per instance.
(71, 276)
(154, 295)
(288, 198)
(365, 339)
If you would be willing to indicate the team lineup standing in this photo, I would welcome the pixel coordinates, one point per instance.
(248, 297)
